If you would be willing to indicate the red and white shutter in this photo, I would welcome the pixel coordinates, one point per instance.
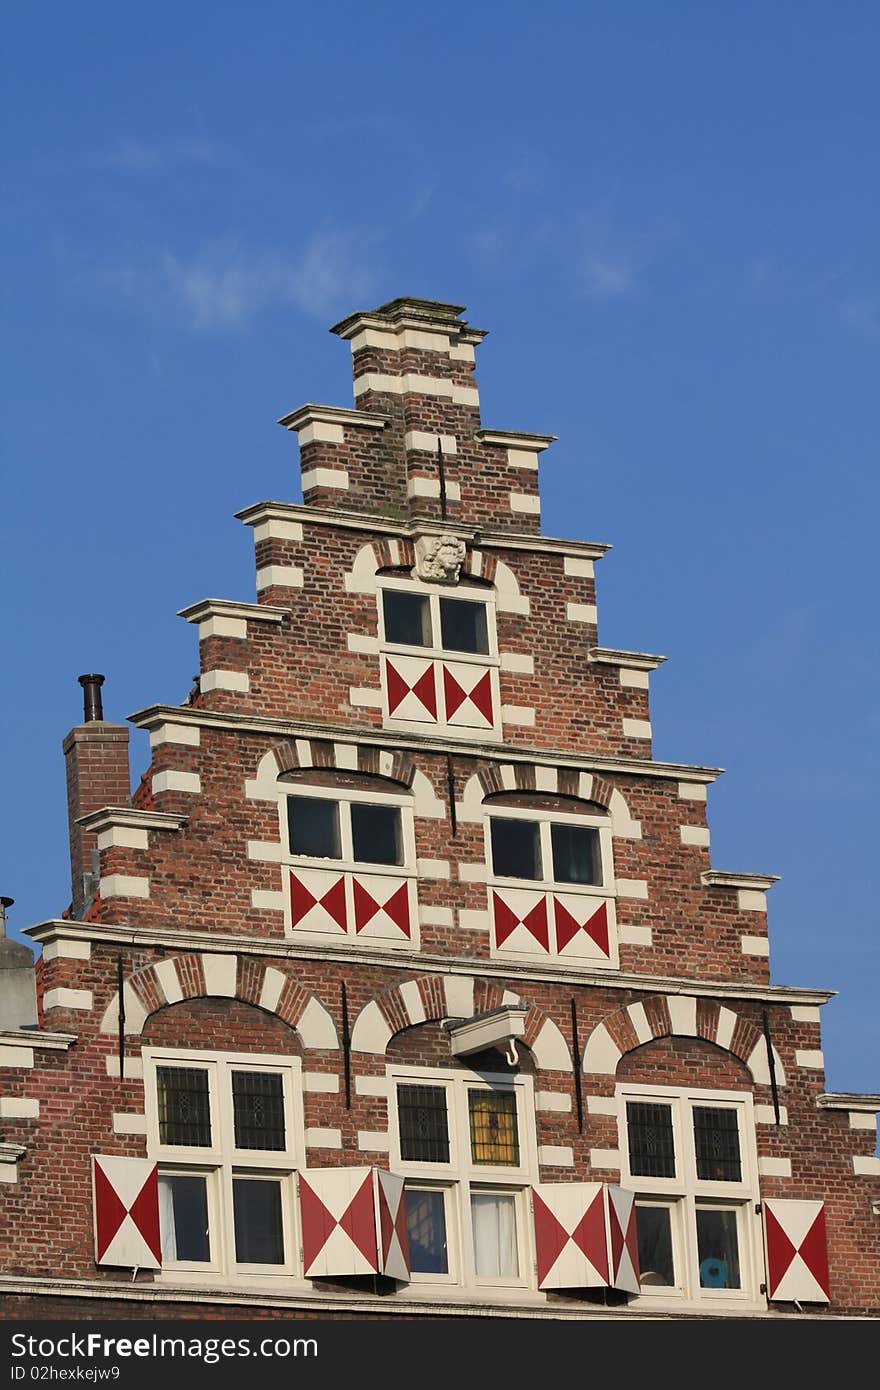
(411, 689)
(468, 697)
(318, 901)
(353, 1221)
(383, 906)
(585, 1236)
(585, 927)
(126, 1212)
(520, 921)
(797, 1251)
(623, 1239)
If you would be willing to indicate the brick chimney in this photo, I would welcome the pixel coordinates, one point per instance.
(96, 755)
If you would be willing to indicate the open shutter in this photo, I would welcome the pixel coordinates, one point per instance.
(797, 1251)
(585, 1236)
(353, 1222)
(126, 1212)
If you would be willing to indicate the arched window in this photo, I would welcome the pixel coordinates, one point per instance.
(349, 860)
(551, 878)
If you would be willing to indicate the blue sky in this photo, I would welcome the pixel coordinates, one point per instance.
(667, 217)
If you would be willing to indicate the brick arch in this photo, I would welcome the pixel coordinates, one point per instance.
(680, 1015)
(399, 552)
(526, 777)
(292, 755)
(200, 975)
(429, 998)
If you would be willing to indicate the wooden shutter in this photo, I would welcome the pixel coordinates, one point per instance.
(126, 1212)
(353, 1222)
(585, 1236)
(797, 1251)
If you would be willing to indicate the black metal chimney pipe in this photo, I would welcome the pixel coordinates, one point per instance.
(93, 709)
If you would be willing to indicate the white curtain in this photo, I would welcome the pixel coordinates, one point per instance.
(494, 1219)
(167, 1225)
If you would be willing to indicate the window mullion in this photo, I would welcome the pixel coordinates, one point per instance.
(346, 839)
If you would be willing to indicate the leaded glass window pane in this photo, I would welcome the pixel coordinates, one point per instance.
(258, 1110)
(424, 1127)
(651, 1141)
(184, 1106)
(494, 1137)
(716, 1144)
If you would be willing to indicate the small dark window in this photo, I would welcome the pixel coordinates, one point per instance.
(654, 1229)
(258, 1108)
(376, 834)
(424, 1129)
(313, 827)
(463, 626)
(576, 854)
(426, 1228)
(716, 1143)
(718, 1248)
(516, 848)
(183, 1212)
(407, 618)
(184, 1107)
(651, 1143)
(259, 1229)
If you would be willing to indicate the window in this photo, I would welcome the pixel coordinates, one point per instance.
(439, 657)
(224, 1128)
(551, 884)
(362, 832)
(689, 1156)
(411, 619)
(349, 864)
(552, 851)
(467, 1149)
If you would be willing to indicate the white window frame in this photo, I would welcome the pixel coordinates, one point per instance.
(345, 797)
(461, 1176)
(490, 661)
(544, 819)
(347, 864)
(472, 593)
(221, 1162)
(685, 1192)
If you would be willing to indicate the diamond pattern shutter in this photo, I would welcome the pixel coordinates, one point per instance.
(468, 699)
(530, 921)
(585, 1236)
(797, 1251)
(126, 1212)
(353, 1222)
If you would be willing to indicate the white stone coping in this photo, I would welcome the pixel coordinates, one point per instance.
(380, 527)
(309, 413)
(516, 439)
(50, 1042)
(192, 940)
(108, 817)
(719, 878)
(844, 1100)
(225, 608)
(153, 715)
(636, 661)
(11, 1153)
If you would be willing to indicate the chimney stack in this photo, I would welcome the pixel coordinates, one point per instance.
(18, 994)
(96, 754)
